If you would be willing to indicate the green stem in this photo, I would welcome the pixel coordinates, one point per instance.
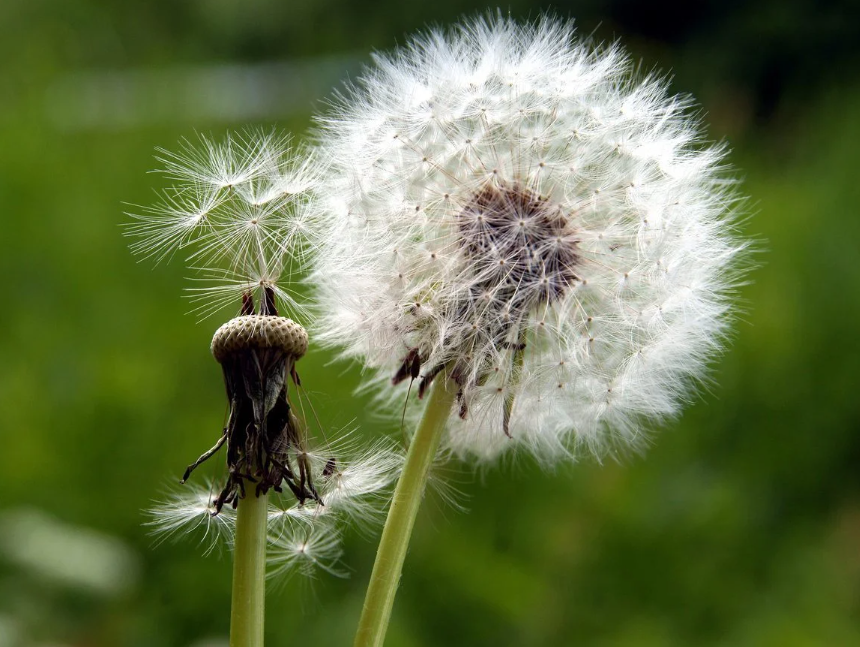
(401, 517)
(249, 570)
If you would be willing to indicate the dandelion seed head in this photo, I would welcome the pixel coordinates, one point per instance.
(519, 212)
(238, 212)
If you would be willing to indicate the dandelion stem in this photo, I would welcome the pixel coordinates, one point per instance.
(249, 570)
(401, 517)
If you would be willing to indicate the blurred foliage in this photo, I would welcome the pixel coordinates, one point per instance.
(740, 527)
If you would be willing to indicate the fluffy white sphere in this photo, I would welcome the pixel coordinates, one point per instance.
(513, 209)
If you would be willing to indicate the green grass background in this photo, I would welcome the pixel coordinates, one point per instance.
(741, 525)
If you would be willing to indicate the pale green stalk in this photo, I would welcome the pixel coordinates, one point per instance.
(247, 614)
(401, 516)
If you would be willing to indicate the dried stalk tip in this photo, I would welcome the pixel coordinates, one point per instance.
(259, 332)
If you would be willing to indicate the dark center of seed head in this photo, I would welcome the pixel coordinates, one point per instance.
(520, 252)
(522, 248)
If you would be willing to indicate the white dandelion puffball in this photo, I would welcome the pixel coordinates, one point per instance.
(513, 209)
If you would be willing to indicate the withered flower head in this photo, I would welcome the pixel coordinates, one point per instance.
(266, 442)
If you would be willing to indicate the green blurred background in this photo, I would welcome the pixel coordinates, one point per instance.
(741, 525)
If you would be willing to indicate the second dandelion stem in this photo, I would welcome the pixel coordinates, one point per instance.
(385, 577)
(249, 570)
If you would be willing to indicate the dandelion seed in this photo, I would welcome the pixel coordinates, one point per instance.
(238, 211)
(352, 481)
(306, 550)
(191, 512)
(356, 485)
(523, 214)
